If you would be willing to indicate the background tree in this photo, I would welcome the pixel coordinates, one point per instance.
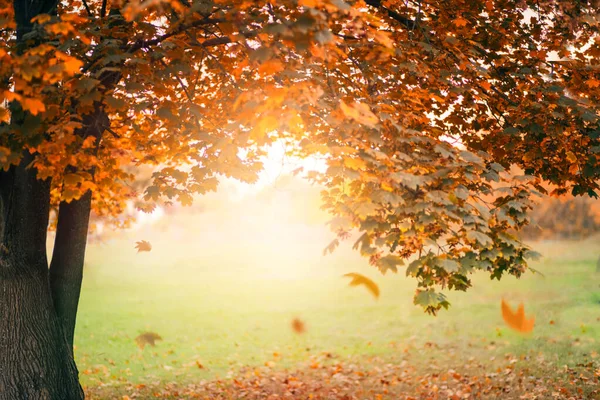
(419, 107)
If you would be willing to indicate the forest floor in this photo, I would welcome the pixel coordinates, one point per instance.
(226, 326)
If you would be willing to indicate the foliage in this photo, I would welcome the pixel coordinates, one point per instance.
(418, 108)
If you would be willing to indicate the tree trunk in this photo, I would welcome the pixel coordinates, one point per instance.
(35, 361)
(66, 268)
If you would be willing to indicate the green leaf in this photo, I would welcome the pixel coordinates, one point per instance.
(479, 237)
(430, 300)
(448, 265)
(389, 262)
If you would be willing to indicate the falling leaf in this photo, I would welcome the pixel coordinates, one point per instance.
(143, 245)
(147, 338)
(298, 326)
(516, 320)
(358, 279)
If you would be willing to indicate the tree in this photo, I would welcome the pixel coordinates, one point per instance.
(420, 108)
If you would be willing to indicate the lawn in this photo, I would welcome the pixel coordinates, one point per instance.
(222, 296)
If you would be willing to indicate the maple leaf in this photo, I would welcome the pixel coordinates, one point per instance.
(360, 112)
(298, 326)
(34, 106)
(517, 320)
(143, 245)
(460, 21)
(147, 338)
(358, 279)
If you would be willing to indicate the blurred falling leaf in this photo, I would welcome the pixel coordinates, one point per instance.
(358, 279)
(517, 320)
(147, 338)
(298, 326)
(143, 245)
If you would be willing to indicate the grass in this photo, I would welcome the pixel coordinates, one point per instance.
(224, 297)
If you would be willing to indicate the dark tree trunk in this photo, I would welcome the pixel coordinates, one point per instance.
(35, 361)
(66, 268)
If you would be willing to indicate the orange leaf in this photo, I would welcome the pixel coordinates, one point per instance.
(34, 106)
(460, 21)
(592, 83)
(517, 320)
(271, 67)
(143, 245)
(358, 279)
(359, 112)
(298, 326)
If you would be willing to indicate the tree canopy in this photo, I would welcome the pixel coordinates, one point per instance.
(423, 111)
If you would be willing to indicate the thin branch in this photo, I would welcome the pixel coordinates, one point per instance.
(139, 44)
(87, 9)
(183, 87)
(103, 9)
(407, 22)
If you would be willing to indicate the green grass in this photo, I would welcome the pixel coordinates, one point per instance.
(226, 300)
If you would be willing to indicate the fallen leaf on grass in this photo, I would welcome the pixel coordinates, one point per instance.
(517, 320)
(358, 279)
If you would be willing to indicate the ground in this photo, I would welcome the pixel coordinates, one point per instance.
(224, 307)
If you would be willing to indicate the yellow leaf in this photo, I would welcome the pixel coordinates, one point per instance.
(516, 320)
(571, 157)
(143, 245)
(358, 279)
(72, 179)
(264, 125)
(355, 163)
(387, 187)
(360, 112)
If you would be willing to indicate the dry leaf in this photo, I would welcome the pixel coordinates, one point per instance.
(358, 279)
(298, 326)
(147, 338)
(143, 245)
(517, 320)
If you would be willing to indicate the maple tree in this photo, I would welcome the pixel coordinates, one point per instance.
(420, 109)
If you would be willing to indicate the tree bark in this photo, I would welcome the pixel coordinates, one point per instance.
(66, 267)
(35, 362)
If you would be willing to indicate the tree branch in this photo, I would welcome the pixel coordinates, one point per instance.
(407, 22)
(87, 9)
(103, 9)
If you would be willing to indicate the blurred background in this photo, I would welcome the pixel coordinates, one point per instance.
(226, 278)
